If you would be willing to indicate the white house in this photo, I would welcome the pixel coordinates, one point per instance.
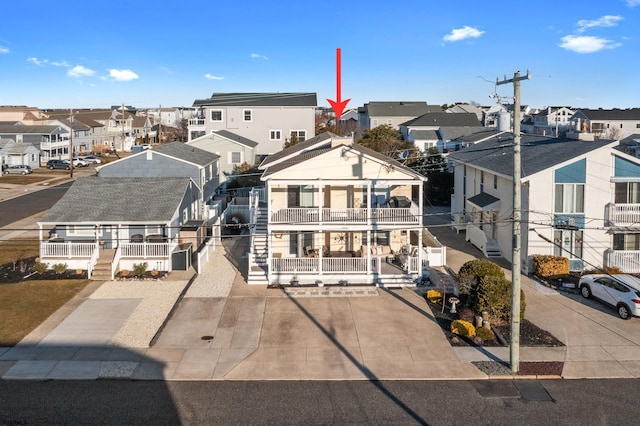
(605, 123)
(579, 200)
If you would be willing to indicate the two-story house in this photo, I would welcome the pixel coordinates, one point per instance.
(336, 213)
(577, 199)
(232, 149)
(444, 126)
(391, 113)
(588, 124)
(267, 118)
(552, 121)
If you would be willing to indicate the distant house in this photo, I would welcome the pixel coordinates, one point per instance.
(579, 200)
(51, 140)
(171, 160)
(605, 123)
(267, 118)
(447, 127)
(232, 149)
(552, 121)
(14, 154)
(467, 108)
(374, 114)
(104, 225)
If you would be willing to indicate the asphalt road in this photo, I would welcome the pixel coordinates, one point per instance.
(31, 203)
(522, 402)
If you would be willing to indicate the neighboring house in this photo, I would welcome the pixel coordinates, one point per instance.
(171, 160)
(374, 114)
(45, 138)
(15, 154)
(552, 121)
(110, 128)
(103, 225)
(22, 114)
(232, 149)
(467, 108)
(580, 200)
(335, 212)
(605, 123)
(447, 127)
(496, 115)
(267, 118)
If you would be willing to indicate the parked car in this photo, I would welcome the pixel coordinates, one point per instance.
(78, 162)
(619, 290)
(17, 170)
(58, 164)
(92, 159)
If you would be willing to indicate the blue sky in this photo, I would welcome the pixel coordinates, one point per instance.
(96, 54)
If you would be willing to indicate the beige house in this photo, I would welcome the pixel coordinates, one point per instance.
(334, 212)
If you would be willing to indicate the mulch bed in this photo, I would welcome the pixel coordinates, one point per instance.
(9, 275)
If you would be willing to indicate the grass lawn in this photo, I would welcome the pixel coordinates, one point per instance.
(24, 179)
(25, 305)
(16, 249)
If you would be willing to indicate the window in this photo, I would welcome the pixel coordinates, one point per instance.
(216, 115)
(375, 122)
(481, 181)
(236, 157)
(275, 135)
(626, 241)
(86, 230)
(567, 243)
(300, 134)
(638, 126)
(389, 122)
(569, 198)
(495, 181)
(246, 115)
(627, 193)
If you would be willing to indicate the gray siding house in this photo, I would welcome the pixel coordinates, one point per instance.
(172, 160)
(374, 114)
(267, 118)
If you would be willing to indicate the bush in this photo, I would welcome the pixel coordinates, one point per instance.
(434, 296)
(60, 268)
(608, 270)
(493, 295)
(466, 314)
(485, 333)
(139, 269)
(546, 265)
(471, 272)
(40, 268)
(463, 328)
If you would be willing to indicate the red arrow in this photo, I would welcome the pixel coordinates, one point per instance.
(338, 105)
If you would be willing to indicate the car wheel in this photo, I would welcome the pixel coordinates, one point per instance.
(50, 167)
(24, 173)
(624, 311)
(585, 291)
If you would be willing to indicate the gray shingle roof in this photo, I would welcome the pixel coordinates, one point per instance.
(188, 153)
(24, 129)
(479, 135)
(237, 138)
(445, 119)
(425, 134)
(450, 133)
(95, 199)
(537, 153)
(399, 108)
(258, 99)
(612, 114)
(300, 146)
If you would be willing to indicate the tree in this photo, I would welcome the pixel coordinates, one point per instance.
(244, 175)
(385, 139)
(293, 140)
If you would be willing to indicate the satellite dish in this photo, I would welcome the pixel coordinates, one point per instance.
(404, 154)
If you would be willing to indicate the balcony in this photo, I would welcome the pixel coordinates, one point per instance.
(627, 260)
(622, 215)
(347, 216)
(196, 123)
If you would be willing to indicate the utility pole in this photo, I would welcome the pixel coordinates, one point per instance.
(71, 143)
(514, 344)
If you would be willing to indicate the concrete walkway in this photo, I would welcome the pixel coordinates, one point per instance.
(223, 329)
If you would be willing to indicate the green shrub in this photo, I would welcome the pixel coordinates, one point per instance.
(139, 269)
(607, 270)
(493, 294)
(546, 265)
(471, 272)
(485, 333)
(39, 268)
(463, 328)
(60, 268)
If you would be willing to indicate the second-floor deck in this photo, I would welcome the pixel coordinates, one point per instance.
(313, 215)
(622, 215)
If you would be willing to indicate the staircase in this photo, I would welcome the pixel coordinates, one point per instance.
(102, 270)
(258, 253)
(492, 249)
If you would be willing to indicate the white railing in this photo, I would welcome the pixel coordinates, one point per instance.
(93, 260)
(115, 262)
(346, 215)
(623, 214)
(329, 265)
(67, 249)
(627, 260)
(260, 193)
(344, 264)
(196, 122)
(476, 236)
(145, 250)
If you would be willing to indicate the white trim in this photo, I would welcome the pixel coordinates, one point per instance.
(279, 132)
(297, 132)
(211, 111)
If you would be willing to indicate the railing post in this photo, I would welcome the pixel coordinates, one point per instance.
(69, 249)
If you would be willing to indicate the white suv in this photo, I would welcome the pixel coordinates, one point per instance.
(619, 290)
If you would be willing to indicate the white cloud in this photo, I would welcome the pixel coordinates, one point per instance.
(458, 34)
(122, 75)
(212, 77)
(61, 64)
(603, 21)
(80, 71)
(586, 44)
(633, 3)
(4, 49)
(37, 61)
(258, 56)
(167, 70)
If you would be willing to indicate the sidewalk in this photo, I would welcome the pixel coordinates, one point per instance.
(224, 329)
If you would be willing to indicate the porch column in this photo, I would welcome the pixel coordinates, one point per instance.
(369, 212)
(421, 202)
(269, 252)
(320, 250)
(419, 250)
(40, 241)
(320, 202)
(269, 203)
(368, 248)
